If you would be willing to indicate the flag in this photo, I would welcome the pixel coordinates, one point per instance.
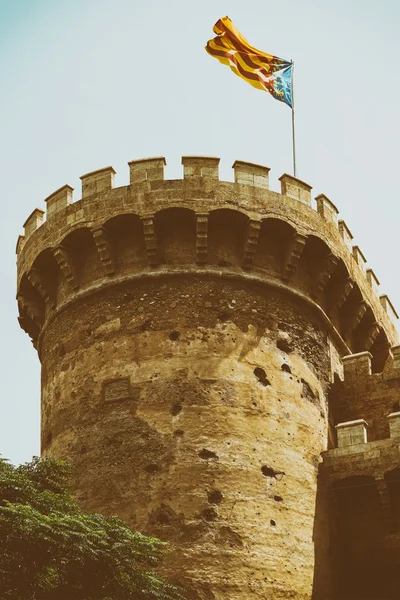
(263, 71)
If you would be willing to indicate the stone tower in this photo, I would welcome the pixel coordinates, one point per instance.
(189, 332)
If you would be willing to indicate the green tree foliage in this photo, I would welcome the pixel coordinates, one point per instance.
(50, 550)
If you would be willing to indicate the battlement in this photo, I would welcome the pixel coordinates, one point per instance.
(280, 239)
(373, 398)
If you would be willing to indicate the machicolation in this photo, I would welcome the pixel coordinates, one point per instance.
(221, 371)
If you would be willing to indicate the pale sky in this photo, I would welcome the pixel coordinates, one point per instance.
(91, 83)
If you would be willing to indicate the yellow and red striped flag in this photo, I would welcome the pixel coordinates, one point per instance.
(261, 70)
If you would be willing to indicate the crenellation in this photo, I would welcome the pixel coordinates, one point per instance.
(395, 351)
(147, 169)
(205, 167)
(295, 188)
(89, 212)
(360, 259)
(394, 424)
(251, 174)
(98, 181)
(389, 308)
(351, 433)
(58, 200)
(174, 318)
(20, 244)
(346, 234)
(326, 209)
(373, 281)
(33, 222)
(357, 365)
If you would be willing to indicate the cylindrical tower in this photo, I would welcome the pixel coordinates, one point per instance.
(188, 331)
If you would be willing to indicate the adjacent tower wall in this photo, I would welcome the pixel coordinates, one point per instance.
(188, 332)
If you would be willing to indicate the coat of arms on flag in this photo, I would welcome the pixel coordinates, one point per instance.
(263, 71)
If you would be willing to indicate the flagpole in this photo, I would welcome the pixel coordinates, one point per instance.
(293, 130)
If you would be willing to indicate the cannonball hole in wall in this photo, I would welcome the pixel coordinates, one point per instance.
(174, 335)
(261, 376)
(284, 345)
(214, 497)
(270, 472)
(176, 409)
(286, 368)
(272, 522)
(209, 514)
(207, 454)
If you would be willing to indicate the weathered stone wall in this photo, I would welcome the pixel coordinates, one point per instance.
(195, 409)
(362, 480)
(188, 332)
(366, 395)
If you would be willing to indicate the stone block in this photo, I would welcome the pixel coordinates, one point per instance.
(251, 174)
(327, 209)
(373, 281)
(97, 181)
(147, 169)
(395, 350)
(200, 166)
(20, 244)
(360, 259)
(394, 424)
(351, 433)
(33, 222)
(357, 364)
(295, 188)
(389, 308)
(346, 234)
(58, 200)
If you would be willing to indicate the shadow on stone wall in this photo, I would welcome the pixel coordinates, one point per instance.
(357, 545)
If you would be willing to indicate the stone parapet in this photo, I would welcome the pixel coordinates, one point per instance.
(351, 433)
(357, 365)
(340, 287)
(200, 167)
(327, 209)
(366, 458)
(97, 181)
(295, 188)
(147, 169)
(59, 200)
(251, 174)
